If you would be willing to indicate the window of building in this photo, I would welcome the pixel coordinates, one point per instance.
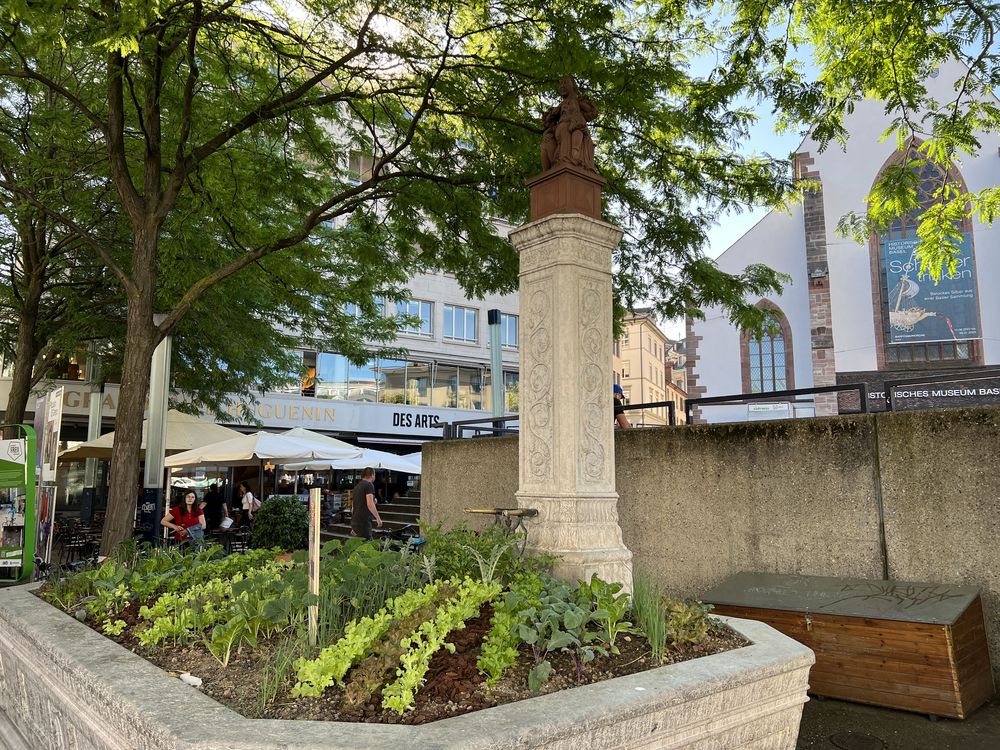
(470, 388)
(767, 359)
(508, 330)
(461, 323)
(359, 167)
(767, 363)
(415, 308)
(390, 377)
(618, 348)
(354, 309)
(510, 388)
(418, 383)
(916, 328)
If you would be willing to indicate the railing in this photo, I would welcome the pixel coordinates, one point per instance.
(452, 430)
(742, 398)
(671, 409)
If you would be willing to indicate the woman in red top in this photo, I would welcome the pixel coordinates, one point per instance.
(187, 520)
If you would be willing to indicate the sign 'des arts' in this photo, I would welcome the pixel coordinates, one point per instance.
(919, 309)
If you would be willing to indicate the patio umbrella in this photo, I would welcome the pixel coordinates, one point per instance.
(184, 432)
(415, 458)
(304, 434)
(251, 450)
(368, 458)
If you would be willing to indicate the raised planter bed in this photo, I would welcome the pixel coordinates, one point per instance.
(64, 686)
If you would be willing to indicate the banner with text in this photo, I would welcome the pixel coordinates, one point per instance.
(919, 309)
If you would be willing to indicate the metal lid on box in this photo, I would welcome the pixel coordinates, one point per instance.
(934, 603)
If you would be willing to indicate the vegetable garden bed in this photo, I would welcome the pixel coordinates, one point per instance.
(405, 638)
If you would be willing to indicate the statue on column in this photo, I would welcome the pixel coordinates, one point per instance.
(566, 139)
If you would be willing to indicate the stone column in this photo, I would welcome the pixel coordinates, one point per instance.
(567, 458)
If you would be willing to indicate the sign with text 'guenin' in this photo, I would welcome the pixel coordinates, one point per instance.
(919, 309)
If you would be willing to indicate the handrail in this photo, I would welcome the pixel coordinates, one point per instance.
(451, 430)
(739, 398)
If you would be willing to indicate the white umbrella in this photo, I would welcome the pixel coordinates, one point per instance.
(250, 450)
(184, 432)
(368, 458)
(303, 434)
(415, 458)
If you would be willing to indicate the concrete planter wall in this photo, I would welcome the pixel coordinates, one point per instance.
(65, 687)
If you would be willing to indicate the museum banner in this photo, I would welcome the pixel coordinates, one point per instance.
(919, 309)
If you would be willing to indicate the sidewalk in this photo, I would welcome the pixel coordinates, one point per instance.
(836, 725)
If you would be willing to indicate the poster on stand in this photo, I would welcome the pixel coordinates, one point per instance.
(50, 435)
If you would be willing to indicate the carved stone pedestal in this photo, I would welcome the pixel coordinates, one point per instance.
(567, 460)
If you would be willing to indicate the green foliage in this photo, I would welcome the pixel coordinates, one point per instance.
(398, 696)
(688, 623)
(650, 616)
(932, 66)
(281, 521)
(668, 622)
(315, 675)
(358, 579)
(499, 648)
(489, 555)
(561, 622)
(608, 609)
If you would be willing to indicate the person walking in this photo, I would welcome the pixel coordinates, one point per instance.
(186, 520)
(363, 509)
(250, 504)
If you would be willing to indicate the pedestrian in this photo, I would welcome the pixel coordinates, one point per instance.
(250, 504)
(214, 507)
(618, 402)
(186, 520)
(363, 508)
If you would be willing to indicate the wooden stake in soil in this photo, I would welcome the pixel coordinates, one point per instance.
(315, 495)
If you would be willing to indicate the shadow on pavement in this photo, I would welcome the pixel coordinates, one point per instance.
(836, 725)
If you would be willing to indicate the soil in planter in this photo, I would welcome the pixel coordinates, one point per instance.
(453, 685)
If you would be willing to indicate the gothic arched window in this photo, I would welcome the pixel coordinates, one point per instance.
(917, 322)
(767, 359)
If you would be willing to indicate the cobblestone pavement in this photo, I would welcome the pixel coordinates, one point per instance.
(836, 725)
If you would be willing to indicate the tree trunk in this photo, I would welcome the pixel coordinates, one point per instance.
(125, 483)
(25, 353)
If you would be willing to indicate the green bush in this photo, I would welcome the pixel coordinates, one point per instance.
(282, 521)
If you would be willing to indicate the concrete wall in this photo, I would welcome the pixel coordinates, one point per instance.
(471, 473)
(700, 503)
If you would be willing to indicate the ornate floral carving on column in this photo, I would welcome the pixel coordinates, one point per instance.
(538, 356)
(594, 416)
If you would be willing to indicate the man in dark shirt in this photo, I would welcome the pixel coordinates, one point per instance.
(214, 507)
(363, 508)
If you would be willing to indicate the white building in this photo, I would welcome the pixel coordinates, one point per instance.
(857, 314)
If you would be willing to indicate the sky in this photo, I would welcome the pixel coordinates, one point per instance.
(730, 227)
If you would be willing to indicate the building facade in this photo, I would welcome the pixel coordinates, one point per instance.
(645, 367)
(858, 314)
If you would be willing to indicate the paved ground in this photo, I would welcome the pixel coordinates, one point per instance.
(835, 725)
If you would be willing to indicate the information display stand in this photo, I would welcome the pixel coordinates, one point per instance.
(17, 504)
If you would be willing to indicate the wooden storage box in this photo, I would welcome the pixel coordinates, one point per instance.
(912, 646)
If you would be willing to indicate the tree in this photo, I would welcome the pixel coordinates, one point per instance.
(886, 51)
(56, 296)
(229, 131)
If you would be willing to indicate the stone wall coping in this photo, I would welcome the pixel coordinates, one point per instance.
(173, 715)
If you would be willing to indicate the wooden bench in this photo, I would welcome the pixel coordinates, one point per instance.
(912, 646)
